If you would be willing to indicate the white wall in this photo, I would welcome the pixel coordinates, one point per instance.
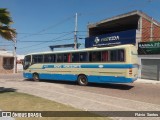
(19, 66)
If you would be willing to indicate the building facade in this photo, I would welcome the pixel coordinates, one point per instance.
(135, 28)
(6, 62)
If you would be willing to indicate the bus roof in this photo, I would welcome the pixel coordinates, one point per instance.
(83, 50)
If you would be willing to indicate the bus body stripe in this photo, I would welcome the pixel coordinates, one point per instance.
(91, 78)
(122, 66)
(109, 66)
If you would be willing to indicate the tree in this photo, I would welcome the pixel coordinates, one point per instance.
(6, 31)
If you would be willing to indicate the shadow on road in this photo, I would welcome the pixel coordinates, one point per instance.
(53, 81)
(4, 90)
(100, 85)
(113, 86)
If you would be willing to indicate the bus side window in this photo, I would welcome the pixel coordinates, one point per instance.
(121, 55)
(117, 55)
(95, 56)
(113, 54)
(104, 55)
(49, 58)
(75, 57)
(37, 58)
(53, 58)
(83, 57)
(69, 57)
(46, 58)
(33, 59)
(65, 57)
(59, 57)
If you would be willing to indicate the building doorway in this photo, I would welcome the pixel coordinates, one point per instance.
(150, 69)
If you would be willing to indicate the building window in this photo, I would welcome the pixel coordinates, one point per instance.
(8, 63)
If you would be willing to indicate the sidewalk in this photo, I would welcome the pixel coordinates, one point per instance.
(147, 81)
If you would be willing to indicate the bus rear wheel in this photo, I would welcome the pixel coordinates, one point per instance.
(36, 77)
(82, 80)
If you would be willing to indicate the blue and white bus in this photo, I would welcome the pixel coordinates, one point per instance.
(116, 64)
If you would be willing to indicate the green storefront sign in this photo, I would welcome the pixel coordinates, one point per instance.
(147, 48)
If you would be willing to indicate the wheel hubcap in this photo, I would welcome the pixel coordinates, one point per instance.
(83, 80)
(35, 77)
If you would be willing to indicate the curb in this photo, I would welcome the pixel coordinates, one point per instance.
(147, 81)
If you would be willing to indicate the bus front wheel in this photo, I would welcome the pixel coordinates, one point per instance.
(82, 80)
(36, 77)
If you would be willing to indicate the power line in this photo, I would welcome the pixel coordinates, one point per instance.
(49, 40)
(84, 38)
(81, 39)
(55, 39)
(50, 27)
(52, 40)
(43, 33)
(81, 31)
(6, 45)
(47, 46)
(49, 33)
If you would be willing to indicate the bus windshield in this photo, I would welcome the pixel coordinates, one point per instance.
(27, 62)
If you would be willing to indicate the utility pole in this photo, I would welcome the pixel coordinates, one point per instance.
(75, 34)
(15, 58)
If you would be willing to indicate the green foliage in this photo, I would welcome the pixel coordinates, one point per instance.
(5, 20)
(5, 17)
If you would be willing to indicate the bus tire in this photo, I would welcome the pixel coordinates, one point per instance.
(82, 80)
(36, 77)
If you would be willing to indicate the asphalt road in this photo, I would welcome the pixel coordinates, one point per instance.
(95, 97)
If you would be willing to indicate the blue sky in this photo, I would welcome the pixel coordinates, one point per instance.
(51, 22)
